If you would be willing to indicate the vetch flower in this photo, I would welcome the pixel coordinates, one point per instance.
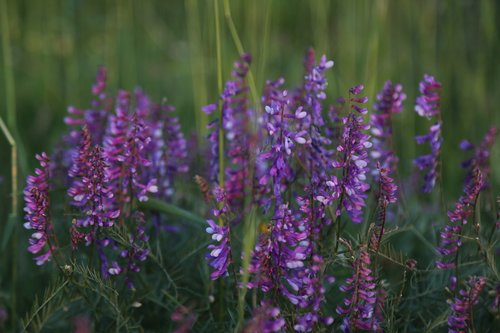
(37, 209)
(219, 256)
(389, 101)
(427, 105)
(460, 319)
(266, 319)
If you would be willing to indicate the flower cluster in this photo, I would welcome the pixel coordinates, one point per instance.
(36, 196)
(353, 150)
(461, 307)
(451, 239)
(428, 106)
(219, 256)
(89, 190)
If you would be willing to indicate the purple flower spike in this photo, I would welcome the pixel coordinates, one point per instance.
(428, 102)
(36, 196)
(89, 190)
(460, 319)
(353, 148)
(430, 162)
(427, 105)
(360, 310)
(266, 319)
(451, 234)
(389, 101)
(219, 255)
(481, 156)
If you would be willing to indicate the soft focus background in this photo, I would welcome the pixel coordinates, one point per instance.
(51, 50)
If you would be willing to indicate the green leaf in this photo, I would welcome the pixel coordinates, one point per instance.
(8, 230)
(167, 208)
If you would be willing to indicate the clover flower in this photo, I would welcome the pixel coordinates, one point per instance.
(37, 209)
(266, 319)
(427, 105)
(460, 319)
(389, 101)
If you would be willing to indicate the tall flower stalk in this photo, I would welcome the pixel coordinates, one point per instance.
(428, 106)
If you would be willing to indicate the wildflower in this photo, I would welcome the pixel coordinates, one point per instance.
(266, 319)
(451, 240)
(89, 190)
(460, 319)
(353, 147)
(427, 105)
(185, 317)
(360, 307)
(136, 251)
(219, 255)
(236, 116)
(481, 155)
(389, 101)
(124, 149)
(36, 196)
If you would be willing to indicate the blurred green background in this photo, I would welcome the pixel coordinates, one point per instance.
(51, 50)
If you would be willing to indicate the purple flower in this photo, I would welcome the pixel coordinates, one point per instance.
(266, 319)
(353, 161)
(89, 190)
(389, 101)
(360, 310)
(125, 151)
(219, 256)
(460, 319)
(481, 155)
(36, 196)
(430, 162)
(236, 116)
(427, 105)
(451, 234)
(136, 250)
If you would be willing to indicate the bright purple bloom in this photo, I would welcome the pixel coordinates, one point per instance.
(36, 196)
(460, 319)
(360, 310)
(451, 234)
(427, 104)
(389, 101)
(219, 256)
(266, 319)
(353, 161)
